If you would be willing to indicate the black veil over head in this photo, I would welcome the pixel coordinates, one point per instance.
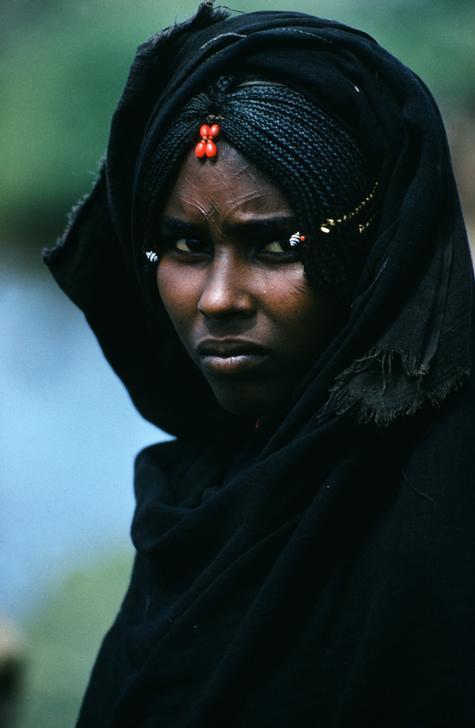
(411, 313)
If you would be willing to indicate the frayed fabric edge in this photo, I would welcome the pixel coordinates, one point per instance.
(343, 401)
(206, 14)
(49, 253)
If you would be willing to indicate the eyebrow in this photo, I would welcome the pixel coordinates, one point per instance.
(258, 226)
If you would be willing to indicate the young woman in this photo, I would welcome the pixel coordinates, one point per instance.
(274, 262)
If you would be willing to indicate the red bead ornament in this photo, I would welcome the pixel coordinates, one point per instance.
(200, 149)
(207, 147)
(211, 149)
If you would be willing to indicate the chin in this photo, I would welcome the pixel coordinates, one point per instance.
(244, 402)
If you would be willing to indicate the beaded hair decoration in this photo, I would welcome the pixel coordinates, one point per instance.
(296, 239)
(151, 256)
(207, 147)
(330, 223)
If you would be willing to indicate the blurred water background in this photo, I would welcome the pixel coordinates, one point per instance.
(68, 433)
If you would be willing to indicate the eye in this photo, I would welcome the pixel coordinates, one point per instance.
(280, 247)
(191, 246)
(275, 246)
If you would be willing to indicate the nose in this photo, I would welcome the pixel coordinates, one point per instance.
(227, 290)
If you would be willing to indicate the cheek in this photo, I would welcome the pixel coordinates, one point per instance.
(290, 298)
(302, 317)
(178, 293)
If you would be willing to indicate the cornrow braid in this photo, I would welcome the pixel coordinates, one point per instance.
(307, 153)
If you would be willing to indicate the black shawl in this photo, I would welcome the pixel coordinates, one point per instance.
(319, 573)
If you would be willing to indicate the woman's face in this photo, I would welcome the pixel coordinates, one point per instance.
(234, 289)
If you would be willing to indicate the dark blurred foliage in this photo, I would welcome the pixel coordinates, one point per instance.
(63, 638)
(12, 665)
(64, 64)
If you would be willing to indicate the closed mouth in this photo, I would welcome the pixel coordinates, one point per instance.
(231, 356)
(229, 348)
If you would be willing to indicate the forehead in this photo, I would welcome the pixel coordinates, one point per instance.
(229, 187)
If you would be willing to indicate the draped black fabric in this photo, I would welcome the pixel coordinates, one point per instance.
(319, 572)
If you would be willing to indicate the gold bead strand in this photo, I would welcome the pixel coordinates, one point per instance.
(330, 222)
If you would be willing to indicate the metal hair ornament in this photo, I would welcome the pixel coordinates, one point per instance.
(296, 239)
(206, 147)
(330, 223)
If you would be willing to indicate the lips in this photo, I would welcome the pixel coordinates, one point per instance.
(232, 356)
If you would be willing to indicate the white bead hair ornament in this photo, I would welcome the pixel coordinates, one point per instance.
(152, 256)
(296, 239)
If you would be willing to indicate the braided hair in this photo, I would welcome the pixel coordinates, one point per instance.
(301, 148)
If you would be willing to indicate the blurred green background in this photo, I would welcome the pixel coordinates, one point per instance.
(63, 66)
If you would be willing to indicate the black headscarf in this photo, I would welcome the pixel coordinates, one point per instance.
(319, 573)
